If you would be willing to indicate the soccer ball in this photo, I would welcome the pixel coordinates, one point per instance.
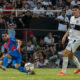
(29, 66)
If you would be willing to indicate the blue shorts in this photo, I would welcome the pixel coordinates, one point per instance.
(16, 57)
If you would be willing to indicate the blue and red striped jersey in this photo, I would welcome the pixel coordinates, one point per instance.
(10, 44)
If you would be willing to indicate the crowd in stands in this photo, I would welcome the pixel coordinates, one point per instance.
(43, 52)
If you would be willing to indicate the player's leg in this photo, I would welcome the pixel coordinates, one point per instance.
(76, 62)
(5, 61)
(65, 53)
(16, 61)
(70, 49)
(8, 56)
(74, 58)
(65, 62)
(1, 59)
(22, 69)
(16, 64)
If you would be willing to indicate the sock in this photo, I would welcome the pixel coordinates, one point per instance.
(5, 61)
(76, 62)
(65, 64)
(21, 69)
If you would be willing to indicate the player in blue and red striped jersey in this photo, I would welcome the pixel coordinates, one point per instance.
(12, 45)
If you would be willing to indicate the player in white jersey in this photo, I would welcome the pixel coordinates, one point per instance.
(73, 34)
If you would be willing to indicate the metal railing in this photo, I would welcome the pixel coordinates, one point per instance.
(19, 10)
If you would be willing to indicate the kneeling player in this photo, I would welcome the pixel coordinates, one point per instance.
(12, 46)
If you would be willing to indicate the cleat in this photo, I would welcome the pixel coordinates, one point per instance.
(61, 73)
(76, 71)
(2, 67)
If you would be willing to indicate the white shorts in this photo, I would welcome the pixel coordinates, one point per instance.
(73, 45)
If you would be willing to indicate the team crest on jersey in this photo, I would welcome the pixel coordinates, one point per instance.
(77, 22)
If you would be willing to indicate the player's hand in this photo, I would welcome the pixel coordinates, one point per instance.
(63, 40)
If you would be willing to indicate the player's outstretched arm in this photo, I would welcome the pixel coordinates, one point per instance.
(19, 44)
(64, 37)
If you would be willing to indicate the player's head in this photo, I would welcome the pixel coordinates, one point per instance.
(76, 11)
(4, 36)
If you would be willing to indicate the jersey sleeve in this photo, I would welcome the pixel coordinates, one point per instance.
(72, 20)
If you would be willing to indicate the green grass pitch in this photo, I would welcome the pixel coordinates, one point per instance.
(41, 74)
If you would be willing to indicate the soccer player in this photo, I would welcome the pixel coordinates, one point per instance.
(12, 45)
(74, 41)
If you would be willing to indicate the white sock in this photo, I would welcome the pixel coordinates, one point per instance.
(65, 64)
(76, 62)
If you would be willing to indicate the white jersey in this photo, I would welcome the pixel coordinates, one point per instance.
(75, 28)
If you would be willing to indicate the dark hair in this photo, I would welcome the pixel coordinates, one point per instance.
(38, 3)
(76, 6)
(5, 32)
(9, 2)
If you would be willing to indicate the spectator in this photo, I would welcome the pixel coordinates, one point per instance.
(46, 3)
(18, 4)
(49, 13)
(32, 4)
(2, 25)
(26, 6)
(30, 51)
(5, 2)
(53, 2)
(42, 51)
(38, 13)
(68, 2)
(1, 3)
(63, 22)
(26, 19)
(47, 51)
(52, 56)
(39, 1)
(60, 3)
(24, 53)
(35, 43)
(30, 34)
(11, 27)
(19, 29)
(49, 40)
(68, 11)
(43, 63)
(9, 6)
(75, 2)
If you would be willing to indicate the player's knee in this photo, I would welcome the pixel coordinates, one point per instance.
(65, 53)
(9, 56)
(71, 55)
